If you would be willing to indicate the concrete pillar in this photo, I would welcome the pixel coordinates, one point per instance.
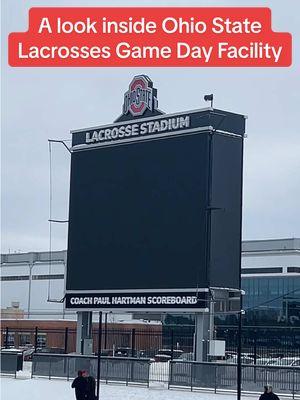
(84, 332)
(202, 335)
(29, 289)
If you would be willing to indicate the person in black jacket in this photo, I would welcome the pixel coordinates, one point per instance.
(80, 386)
(268, 394)
(90, 386)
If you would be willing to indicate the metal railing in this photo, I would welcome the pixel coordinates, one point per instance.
(195, 375)
(176, 373)
(112, 369)
(148, 341)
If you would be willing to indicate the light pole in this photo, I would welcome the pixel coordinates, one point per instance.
(99, 354)
(239, 351)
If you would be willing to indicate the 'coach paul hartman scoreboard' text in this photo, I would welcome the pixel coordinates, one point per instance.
(116, 132)
(133, 300)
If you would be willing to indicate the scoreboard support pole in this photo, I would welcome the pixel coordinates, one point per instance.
(202, 335)
(84, 332)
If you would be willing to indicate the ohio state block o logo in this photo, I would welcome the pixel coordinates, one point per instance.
(140, 96)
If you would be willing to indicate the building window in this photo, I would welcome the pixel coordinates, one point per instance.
(15, 278)
(272, 270)
(272, 300)
(42, 277)
(41, 340)
(34, 277)
(10, 340)
(293, 269)
(24, 339)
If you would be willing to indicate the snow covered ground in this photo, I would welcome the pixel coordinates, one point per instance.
(24, 388)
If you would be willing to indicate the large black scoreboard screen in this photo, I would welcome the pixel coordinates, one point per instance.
(158, 214)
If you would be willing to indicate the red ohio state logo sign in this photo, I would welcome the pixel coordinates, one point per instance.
(140, 96)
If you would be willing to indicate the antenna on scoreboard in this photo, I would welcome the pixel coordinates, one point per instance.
(51, 220)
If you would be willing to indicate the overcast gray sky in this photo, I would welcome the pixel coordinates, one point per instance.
(42, 103)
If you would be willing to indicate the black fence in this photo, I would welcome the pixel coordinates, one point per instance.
(176, 373)
(112, 369)
(146, 342)
(262, 342)
(194, 375)
(184, 374)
